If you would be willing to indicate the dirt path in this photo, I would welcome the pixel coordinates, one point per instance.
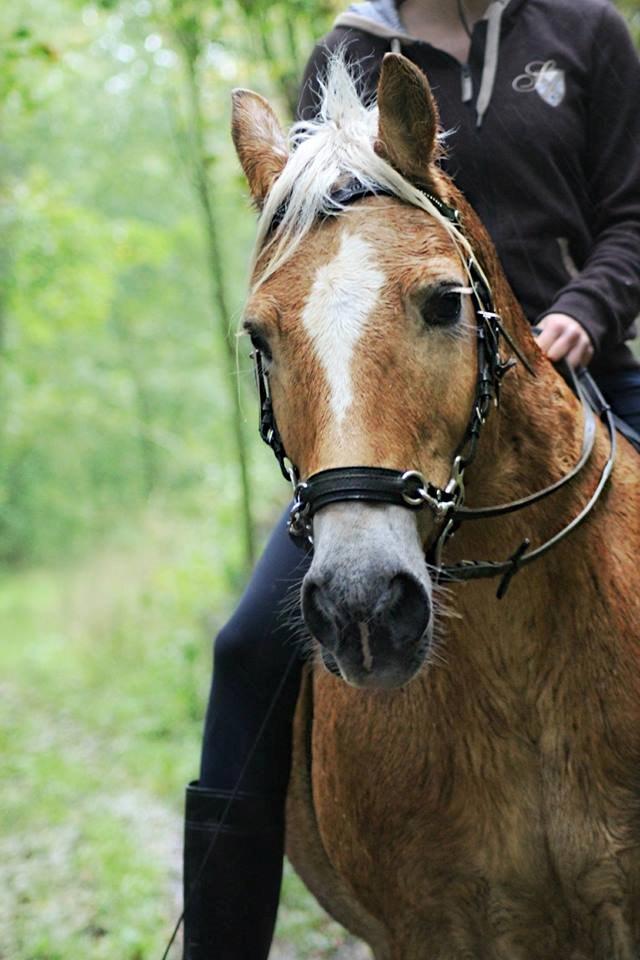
(49, 845)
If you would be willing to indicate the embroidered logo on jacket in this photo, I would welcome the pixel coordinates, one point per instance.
(545, 78)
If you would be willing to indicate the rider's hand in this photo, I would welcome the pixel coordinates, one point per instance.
(563, 337)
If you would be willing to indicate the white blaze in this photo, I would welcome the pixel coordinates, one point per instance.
(344, 293)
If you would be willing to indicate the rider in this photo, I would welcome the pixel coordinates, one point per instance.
(540, 98)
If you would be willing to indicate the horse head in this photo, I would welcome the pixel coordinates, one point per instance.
(364, 322)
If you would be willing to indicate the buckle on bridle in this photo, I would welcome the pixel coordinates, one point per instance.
(455, 487)
(418, 493)
(299, 522)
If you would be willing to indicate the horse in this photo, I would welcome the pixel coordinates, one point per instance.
(466, 774)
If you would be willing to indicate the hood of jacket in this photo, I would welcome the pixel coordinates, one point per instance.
(380, 18)
(377, 17)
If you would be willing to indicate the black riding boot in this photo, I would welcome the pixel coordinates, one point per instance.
(231, 897)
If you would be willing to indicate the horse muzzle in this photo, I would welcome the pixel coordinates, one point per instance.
(367, 596)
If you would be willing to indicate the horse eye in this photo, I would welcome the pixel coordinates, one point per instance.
(442, 309)
(258, 342)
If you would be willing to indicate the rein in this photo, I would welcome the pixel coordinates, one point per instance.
(409, 488)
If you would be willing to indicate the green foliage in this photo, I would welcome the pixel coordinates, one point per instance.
(117, 458)
(118, 296)
(631, 10)
(104, 670)
(112, 372)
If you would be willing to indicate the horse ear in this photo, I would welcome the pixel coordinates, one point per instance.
(259, 141)
(408, 117)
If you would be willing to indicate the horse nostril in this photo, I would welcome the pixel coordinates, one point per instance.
(320, 614)
(401, 611)
(406, 607)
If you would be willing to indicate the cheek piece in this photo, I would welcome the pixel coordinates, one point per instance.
(409, 488)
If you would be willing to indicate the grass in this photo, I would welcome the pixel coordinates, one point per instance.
(104, 669)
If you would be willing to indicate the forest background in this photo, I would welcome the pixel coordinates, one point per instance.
(134, 491)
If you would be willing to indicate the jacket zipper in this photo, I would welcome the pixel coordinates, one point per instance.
(467, 83)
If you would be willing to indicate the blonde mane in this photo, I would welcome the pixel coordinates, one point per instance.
(335, 148)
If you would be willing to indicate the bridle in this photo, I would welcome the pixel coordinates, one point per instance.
(409, 488)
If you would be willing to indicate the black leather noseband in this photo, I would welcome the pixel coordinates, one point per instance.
(409, 488)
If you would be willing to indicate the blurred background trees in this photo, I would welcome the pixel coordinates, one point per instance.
(128, 446)
(125, 237)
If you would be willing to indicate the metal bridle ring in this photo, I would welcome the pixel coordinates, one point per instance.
(420, 495)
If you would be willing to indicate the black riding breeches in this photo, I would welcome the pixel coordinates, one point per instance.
(258, 658)
(622, 390)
